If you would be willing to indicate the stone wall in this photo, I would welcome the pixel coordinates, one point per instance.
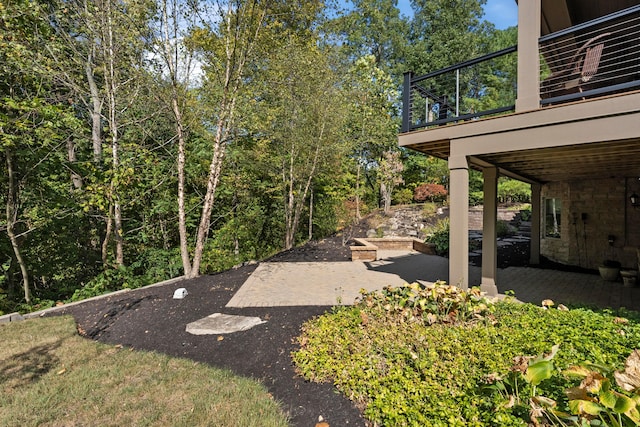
(597, 222)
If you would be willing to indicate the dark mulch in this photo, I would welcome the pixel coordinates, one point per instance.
(150, 319)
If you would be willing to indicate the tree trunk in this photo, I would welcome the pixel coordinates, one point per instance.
(171, 61)
(12, 214)
(232, 79)
(215, 167)
(293, 209)
(107, 237)
(76, 179)
(182, 217)
(96, 111)
(311, 215)
(385, 193)
(112, 88)
(358, 217)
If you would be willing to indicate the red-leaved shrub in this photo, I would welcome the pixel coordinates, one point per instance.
(431, 192)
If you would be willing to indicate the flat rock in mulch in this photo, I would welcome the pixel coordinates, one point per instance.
(219, 323)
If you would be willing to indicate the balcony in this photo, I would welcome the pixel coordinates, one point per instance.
(594, 59)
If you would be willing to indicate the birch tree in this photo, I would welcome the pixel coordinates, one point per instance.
(226, 38)
(298, 122)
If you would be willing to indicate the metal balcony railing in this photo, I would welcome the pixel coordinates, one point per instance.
(592, 59)
(476, 88)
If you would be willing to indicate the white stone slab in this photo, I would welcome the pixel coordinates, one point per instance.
(219, 323)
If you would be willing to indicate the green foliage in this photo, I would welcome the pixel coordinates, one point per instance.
(108, 281)
(402, 196)
(594, 401)
(504, 229)
(525, 214)
(407, 372)
(439, 236)
(429, 210)
(476, 198)
(513, 191)
(428, 304)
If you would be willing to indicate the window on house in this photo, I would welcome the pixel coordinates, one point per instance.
(552, 217)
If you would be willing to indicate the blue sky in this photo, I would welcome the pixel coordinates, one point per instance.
(503, 13)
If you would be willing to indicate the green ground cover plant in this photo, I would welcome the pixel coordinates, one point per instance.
(428, 355)
(53, 377)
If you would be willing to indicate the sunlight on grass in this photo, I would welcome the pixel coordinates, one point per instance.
(51, 376)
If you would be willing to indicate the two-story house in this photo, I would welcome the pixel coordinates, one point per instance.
(567, 122)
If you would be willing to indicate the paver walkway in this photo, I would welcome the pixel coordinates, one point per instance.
(333, 283)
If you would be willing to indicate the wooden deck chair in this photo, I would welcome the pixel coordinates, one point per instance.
(582, 67)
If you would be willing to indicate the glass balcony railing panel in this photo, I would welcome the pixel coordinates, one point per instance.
(596, 58)
(480, 87)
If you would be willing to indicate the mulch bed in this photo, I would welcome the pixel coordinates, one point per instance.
(150, 319)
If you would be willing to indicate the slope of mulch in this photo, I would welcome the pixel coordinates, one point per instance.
(150, 319)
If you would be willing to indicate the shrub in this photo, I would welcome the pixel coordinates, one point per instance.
(429, 210)
(404, 371)
(431, 192)
(439, 236)
(109, 280)
(595, 399)
(403, 196)
(476, 198)
(428, 304)
(504, 229)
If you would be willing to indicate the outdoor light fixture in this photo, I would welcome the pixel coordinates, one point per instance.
(635, 200)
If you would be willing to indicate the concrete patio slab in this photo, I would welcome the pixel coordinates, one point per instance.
(275, 284)
(339, 283)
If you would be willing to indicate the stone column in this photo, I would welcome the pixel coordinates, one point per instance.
(536, 223)
(528, 97)
(489, 235)
(459, 217)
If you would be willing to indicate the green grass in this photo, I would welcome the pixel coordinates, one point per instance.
(385, 355)
(50, 376)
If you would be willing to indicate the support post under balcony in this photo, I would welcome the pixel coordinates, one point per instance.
(528, 98)
(459, 225)
(536, 223)
(406, 102)
(489, 231)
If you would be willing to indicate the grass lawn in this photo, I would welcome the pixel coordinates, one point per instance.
(51, 376)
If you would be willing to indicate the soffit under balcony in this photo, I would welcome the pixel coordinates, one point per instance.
(560, 14)
(584, 140)
(571, 163)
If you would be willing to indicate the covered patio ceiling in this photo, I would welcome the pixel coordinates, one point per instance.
(566, 163)
(560, 14)
(587, 161)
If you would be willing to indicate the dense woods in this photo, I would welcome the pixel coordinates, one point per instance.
(147, 139)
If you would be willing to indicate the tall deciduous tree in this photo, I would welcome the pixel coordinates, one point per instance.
(299, 114)
(372, 120)
(443, 33)
(35, 128)
(373, 27)
(100, 59)
(226, 44)
(178, 65)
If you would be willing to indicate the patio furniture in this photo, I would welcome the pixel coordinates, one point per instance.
(581, 69)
